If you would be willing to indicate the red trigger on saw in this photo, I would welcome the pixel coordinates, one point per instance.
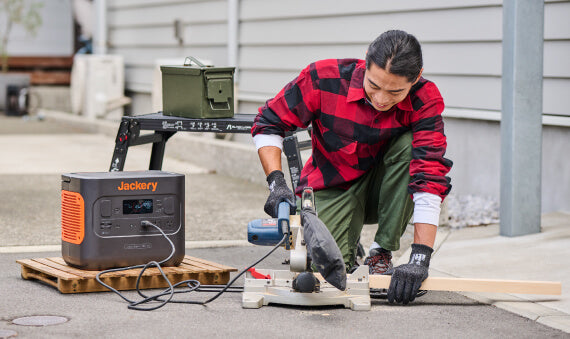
(258, 275)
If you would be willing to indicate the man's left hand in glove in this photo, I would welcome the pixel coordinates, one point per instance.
(407, 278)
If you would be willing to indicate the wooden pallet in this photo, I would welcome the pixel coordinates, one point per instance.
(67, 279)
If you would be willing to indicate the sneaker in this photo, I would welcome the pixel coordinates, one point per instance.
(379, 261)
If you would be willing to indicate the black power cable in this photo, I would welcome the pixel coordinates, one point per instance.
(193, 285)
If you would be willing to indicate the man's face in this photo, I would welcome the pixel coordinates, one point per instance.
(384, 89)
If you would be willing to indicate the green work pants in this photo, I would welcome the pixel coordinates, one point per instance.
(380, 196)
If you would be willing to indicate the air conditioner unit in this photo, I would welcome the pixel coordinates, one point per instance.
(98, 86)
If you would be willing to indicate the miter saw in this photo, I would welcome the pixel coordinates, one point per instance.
(311, 246)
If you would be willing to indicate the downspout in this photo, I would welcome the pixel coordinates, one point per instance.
(100, 34)
(233, 31)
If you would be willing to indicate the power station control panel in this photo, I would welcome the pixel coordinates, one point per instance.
(124, 215)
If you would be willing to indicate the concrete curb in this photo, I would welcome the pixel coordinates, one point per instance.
(30, 249)
(188, 245)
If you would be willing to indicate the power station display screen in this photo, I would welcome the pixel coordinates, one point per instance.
(137, 206)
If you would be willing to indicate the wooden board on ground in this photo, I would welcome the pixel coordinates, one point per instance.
(478, 285)
(55, 272)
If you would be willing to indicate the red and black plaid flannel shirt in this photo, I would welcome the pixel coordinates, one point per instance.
(349, 136)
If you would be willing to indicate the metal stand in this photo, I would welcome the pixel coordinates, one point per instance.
(279, 290)
(164, 127)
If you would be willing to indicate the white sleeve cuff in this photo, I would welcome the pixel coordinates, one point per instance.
(262, 140)
(427, 207)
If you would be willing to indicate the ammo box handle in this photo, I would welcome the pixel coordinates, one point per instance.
(192, 59)
(219, 109)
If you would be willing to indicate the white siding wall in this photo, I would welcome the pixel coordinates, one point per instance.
(461, 43)
(143, 31)
(462, 54)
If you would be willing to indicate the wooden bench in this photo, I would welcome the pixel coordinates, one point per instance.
(43, 70)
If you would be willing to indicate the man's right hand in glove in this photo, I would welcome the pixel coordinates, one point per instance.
(278, 192)
(407, 279)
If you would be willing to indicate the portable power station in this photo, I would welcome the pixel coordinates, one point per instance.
(102, 216)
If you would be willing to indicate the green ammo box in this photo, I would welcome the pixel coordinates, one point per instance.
(197, 91)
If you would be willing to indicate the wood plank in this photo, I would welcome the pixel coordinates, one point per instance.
(197, 267)
(63, 267)
(478, 285)
(41, 277)
(40, 62)
(40, 77)
(33, 264)
(211, 263)
(50, 78)
(205, 267)
(93, 273)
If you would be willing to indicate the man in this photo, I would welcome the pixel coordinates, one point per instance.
(378, 150)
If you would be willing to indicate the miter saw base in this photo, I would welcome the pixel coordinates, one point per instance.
(278, 289)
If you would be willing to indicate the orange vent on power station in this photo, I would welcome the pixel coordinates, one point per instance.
(72, 217)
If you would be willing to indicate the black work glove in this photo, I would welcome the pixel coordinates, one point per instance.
(407, 278)
(278, 192)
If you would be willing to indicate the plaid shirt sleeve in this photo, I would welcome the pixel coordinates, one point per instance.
(292, 107)
(428, 167)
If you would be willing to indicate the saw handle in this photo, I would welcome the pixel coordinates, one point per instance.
(283, 214)
(283, 219)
